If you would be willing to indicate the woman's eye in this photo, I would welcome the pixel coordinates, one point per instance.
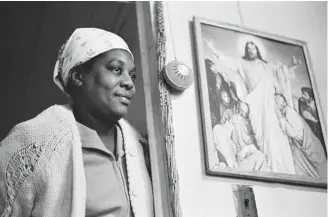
(116, 70)
(133, 77)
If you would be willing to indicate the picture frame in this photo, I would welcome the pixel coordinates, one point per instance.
(260, 113)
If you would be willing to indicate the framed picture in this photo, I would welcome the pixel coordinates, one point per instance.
(261, 118)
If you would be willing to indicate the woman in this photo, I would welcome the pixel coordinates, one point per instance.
(84, 159)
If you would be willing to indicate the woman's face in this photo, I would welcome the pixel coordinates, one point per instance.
(108, 87)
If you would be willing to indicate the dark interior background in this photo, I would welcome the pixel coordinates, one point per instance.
(31, 35)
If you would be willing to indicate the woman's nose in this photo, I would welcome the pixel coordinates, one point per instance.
(127, 81)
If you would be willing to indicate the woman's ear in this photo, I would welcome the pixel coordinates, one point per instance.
(76, 78)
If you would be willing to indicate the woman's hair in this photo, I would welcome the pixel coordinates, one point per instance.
(258, 53)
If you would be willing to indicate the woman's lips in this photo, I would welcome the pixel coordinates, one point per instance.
(124, 99)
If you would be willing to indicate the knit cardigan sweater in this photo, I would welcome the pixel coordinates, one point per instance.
(42, 173)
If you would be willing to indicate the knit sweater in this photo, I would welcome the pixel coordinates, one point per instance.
(42, 174)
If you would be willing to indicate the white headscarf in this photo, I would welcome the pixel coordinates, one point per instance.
(83, 45)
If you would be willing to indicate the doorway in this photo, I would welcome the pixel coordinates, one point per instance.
(30, 40)
(33, 32)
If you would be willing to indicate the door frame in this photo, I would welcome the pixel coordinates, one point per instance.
(155, 126)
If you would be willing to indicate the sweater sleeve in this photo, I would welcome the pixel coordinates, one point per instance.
(18, 159)
(36, 166)
(54, 184)
(36, 177)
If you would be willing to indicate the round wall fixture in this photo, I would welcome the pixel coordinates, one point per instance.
(178, 75)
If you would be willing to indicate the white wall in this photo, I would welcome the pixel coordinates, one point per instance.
(206, 196)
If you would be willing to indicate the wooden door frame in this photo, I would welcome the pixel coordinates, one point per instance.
(147, 43)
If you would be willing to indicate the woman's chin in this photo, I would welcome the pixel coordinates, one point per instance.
(120, 112)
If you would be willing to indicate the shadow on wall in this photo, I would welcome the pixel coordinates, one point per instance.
(30, 38)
